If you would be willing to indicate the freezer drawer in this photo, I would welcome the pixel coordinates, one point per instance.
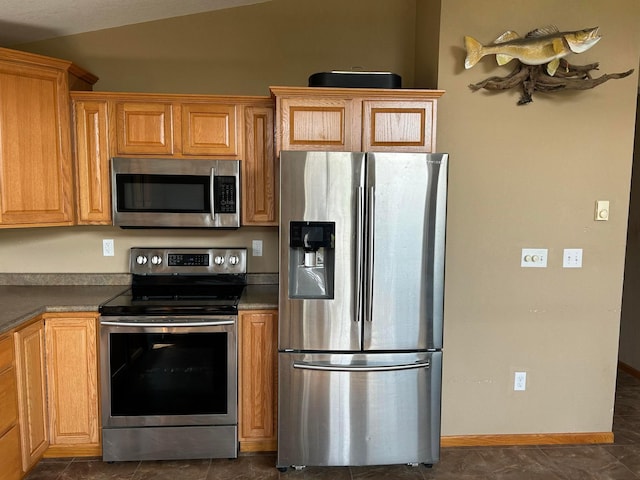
(359, 409)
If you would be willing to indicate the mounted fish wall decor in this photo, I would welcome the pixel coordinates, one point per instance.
(540, 61)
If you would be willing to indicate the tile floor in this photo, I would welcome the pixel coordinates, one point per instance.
(617, 461)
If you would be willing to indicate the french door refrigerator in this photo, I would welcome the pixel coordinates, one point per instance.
(362, 238)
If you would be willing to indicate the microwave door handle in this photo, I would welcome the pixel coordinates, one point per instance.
(212, 193)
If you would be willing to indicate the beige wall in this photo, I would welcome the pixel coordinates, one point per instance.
(520, 177)
(528, 177)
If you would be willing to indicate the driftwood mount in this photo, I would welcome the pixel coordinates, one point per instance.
(535, 78)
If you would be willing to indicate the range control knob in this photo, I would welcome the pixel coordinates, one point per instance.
(234, 260)
(156, 260)
(141, 260)
(219, 260)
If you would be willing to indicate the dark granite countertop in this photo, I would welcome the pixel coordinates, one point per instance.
(20, 303)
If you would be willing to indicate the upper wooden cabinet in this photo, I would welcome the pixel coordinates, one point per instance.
(178, 126)
(36, 179)
(355, 119)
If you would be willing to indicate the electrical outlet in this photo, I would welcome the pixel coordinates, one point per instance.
(256, 248)
(107, 247)
(520, 381)
(572, 258)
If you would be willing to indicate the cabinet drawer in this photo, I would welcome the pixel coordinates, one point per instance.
(8, 400)
(10, 455)
(6, 353)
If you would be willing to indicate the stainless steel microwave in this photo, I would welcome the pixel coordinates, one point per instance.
(175, 193)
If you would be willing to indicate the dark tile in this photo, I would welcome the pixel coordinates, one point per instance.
(459, 463)
(586, 463)
(628, 455)
(391, 472)
(99, 470)
(626, 430)
(48, 470)
(245, 467)
(173, 470)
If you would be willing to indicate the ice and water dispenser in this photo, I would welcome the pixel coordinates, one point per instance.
(311, 259)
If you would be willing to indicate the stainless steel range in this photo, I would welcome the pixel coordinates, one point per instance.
(168, 359)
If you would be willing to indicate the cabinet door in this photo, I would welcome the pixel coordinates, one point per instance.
(144, 128)
(10, 464)
(29, 345)
(258, 377)
(72, 379)
(399, 126)
(330, 124)
(209, 129)
(92, 163)
(259, 187)
(36, 186)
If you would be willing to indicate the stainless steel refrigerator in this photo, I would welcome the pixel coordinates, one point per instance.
(362, 239)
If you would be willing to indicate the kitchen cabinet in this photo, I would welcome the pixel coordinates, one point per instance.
(109, 124)
(32, 405)
(72, 384)
(93, 190)
(355, 119)
(36, 171)
(10, 457)
(258, 403)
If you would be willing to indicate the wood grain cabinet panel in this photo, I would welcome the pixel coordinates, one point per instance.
(30, 368)
(144, 128)
(10, 458)
(355, 119)
(259, 173)
(317, 124)
(93, 192)
(36, 165)
(398, 126)
(209, 129)
(258, 380)
(36, 186)
(72, 378)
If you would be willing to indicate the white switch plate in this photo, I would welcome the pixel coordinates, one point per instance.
(256, 248)
(520, 381)
(572, 258)
(107, 247)
(602, 210)
(534, 257)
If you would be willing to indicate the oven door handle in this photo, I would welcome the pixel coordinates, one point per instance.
(167, 324)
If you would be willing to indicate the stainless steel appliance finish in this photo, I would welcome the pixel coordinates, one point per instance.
(178, 193)
(168, 356)
(359, 409)
(384, 269)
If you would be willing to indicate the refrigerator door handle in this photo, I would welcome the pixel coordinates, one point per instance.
(359, 253)
(329, 367)
(370, 247)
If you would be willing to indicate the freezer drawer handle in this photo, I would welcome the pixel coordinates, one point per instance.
(327, 367)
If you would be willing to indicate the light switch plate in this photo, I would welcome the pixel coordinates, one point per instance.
(534, 258)
(602, 210)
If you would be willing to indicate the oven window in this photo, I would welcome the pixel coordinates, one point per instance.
(168, 374)
(163, 193)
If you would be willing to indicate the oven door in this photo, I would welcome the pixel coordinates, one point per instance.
(162, 371)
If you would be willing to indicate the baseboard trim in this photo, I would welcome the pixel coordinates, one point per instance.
(65, 451)
(526, 439)
(629, 369)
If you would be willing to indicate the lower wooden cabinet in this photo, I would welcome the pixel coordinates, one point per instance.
(10, 458)
(72, 381)
(30, 369)
(258, 375)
